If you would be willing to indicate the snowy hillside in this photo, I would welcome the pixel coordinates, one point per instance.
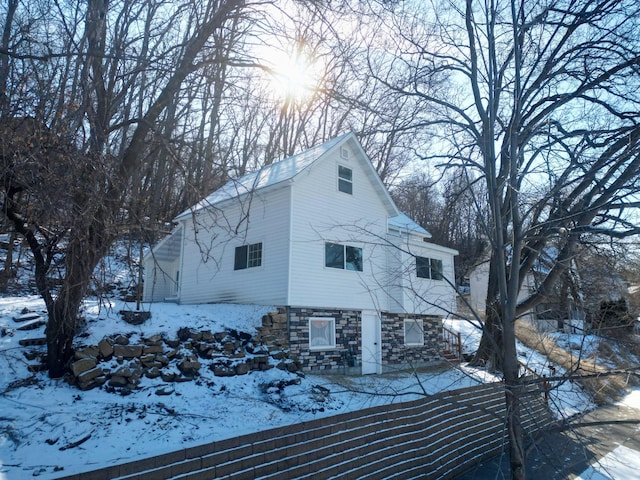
(49, 426)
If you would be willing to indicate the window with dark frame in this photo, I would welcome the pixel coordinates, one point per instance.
(248, 256)
(345, 180)
(345, 257)
(429, 268)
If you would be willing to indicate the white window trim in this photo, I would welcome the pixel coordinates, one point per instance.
(327, 346)
(430, 267)
(420, 323)
(344, 257)
(350, 182)
(248, 245)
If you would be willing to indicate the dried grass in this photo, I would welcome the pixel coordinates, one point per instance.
(603, 386)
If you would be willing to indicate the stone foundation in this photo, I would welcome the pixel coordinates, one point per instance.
(345, 357)
(288, 329)
(396, 354)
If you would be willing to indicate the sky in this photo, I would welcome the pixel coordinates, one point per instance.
(49, 428)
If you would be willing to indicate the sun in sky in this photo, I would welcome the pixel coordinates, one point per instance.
(293, 75)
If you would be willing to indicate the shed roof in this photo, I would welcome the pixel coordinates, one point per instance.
(404, 222)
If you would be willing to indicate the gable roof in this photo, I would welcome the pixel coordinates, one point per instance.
(285, 170)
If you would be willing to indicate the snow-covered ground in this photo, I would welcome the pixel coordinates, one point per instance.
(49, 428)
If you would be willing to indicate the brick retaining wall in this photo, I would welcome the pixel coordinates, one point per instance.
(438, 436)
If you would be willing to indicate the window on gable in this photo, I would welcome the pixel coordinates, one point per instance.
(413, 332)
(341, 256)
(248, 256)
(429, 268)
(322, 333)
(345, 179)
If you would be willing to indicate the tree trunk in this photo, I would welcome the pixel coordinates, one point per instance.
(7, 272)
(85, 249)
(513, 393)
(490, 350)
(489, 353)
(61, 330)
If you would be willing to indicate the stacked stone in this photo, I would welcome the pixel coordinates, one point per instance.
(227, 353)
(274, 330)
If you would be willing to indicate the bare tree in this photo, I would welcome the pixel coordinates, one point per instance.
(74, 158)
(541, 102)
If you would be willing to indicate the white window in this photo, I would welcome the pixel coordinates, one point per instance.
(429, 268)
(322, 333)
(413, 332)
(248, 256)
(341, 256)
(345, 179)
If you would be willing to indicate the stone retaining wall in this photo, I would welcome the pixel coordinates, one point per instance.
(119, 364)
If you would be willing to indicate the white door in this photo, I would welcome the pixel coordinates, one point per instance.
(371, 344)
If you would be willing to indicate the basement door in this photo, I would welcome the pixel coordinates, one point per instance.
(371, 345)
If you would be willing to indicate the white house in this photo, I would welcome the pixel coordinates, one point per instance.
(318, 235)
(546, 317)
(479, 286)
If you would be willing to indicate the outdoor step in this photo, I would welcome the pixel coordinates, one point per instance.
(26, 316)
(29, 342)
(32, 324)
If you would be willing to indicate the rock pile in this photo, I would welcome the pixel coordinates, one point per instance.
(116, 362)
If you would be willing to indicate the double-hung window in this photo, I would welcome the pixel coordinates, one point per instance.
(429, 268)
(413, 332)
(345, 180)
(248, 256)
(341, 256)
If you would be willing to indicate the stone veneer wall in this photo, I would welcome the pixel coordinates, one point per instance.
(344, 358)
(288, 330)
(398, 355)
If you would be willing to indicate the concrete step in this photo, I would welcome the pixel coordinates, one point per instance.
(29, 342)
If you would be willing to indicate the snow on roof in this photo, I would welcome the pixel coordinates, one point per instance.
(268, 175)
(404, 222)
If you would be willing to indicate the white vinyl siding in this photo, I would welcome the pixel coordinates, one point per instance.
(162, 269)
(160, 280)
(408, 290)
(209, 256)
(321, 215)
